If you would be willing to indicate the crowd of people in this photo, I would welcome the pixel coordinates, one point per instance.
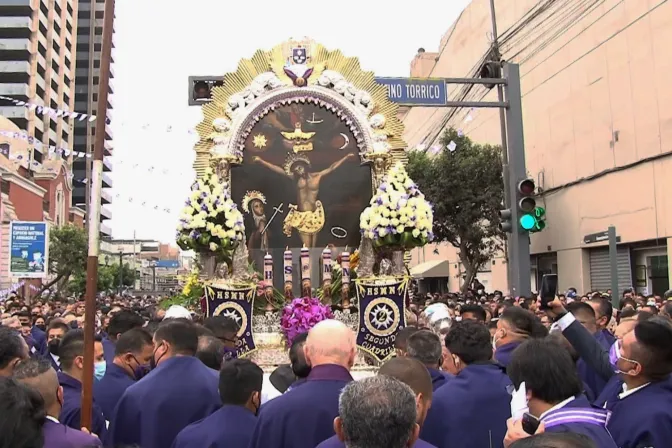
(470, 371)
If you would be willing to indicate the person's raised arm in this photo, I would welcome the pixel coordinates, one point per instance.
(583, 342)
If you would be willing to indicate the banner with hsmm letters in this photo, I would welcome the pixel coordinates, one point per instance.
(381, 315)
(235, 303)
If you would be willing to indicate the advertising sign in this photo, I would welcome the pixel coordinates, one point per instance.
(28, 249)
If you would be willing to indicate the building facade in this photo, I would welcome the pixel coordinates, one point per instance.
(38, 40)
(597, 123)
(39, 194)
(87, 78)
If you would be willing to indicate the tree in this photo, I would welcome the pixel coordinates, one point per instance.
(67, 254)
(466, 189)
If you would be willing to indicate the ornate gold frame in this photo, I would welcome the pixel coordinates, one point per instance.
(243, 100)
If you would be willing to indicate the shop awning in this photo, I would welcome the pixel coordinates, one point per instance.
(431, 269)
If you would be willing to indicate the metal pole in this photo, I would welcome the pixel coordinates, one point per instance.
(613, 266)
(519, 241)
(93, 214)
(154, 277)
(502, 130)
(121, 271)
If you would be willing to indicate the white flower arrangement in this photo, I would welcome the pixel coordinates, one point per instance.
(399, 214)
(210, 220)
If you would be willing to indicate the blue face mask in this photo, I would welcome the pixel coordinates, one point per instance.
(99, 370)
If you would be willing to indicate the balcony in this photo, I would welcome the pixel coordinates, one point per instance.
(15, 67)
(105, 213)
(107, 181)
(107, 164)
(106, 196)
(10, 22)
(105, 229)
(22, 44)
(17, 90)
(14, 112)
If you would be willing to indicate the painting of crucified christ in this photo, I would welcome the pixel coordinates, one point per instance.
(306, 161)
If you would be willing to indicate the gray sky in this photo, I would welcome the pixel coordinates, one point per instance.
(160, 43)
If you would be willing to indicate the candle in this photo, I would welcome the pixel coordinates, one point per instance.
(305, 263)
(287, 266)
(345, 266)
(326, 265)
(268, 269)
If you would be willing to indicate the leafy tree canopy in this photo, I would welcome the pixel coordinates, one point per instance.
(466, 188)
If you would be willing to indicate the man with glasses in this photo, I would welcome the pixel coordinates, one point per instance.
(226, 330)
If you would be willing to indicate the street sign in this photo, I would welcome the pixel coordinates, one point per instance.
(415, 91)
(167, 264)
(598, 237)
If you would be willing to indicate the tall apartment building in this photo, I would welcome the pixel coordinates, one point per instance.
(37, 41)
(87, 78)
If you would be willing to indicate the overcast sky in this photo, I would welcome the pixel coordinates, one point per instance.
(160, 43)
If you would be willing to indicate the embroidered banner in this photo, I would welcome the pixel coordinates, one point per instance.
(237, 304)
(381, 315)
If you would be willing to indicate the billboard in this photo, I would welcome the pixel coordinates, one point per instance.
(301, 181)
(28, 249)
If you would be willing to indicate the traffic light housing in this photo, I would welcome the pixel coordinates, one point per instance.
(489, 70)
(200, 89)
(531, 218)
(505, 224)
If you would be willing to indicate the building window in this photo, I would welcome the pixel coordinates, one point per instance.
(56, 47)
(60, 206)
(69, 8)
(57, 8)
(54, 86)
(96, 63)
(100, 14)
(4, 186)
(53, 125)
(41, 49)
(4, 149)
(45, 9)
(37, 156)
(57, 30)
(38, 134)
(43, 29)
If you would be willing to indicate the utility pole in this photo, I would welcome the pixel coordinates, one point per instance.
(502, 129)
(93, 213)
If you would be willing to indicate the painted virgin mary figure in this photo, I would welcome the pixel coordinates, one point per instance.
(253, 204)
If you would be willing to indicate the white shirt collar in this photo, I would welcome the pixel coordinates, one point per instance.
(55, 357)
(627, 392)
(560, 405)
(53, 419)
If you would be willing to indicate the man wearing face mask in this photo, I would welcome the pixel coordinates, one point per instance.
(39, 375)
(55, 333)
(641, 415)
(133, 352)
(515, 325)
(179, 391)
(240, 382)
(71, 353)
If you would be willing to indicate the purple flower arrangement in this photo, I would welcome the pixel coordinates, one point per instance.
(301, 315)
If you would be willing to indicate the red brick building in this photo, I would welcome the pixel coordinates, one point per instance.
(31, 191)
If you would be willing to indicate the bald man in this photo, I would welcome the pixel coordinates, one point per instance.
(412, 373)
(304, 417)
(38, 374)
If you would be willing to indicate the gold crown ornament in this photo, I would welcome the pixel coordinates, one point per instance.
(251, 196)
(293, 159)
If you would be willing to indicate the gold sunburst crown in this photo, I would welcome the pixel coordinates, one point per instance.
(293, 159)
(251, 196)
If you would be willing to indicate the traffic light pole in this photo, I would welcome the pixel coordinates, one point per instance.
(513, 169)
(519, 269)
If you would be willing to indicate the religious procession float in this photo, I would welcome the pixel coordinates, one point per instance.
(302, 209)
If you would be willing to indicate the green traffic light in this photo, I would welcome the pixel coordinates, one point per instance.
(539, 212)
(528, 222)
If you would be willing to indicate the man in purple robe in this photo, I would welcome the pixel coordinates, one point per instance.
(39, 375)
(240, 382)
(412, 373)
(304, 417)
